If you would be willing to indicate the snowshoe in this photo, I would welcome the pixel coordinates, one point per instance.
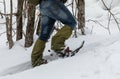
(67, 52)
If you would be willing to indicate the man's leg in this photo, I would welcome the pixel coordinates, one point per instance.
(37, 53)
(59, 38)
(58, 11)
(46, 29)
(65, 32)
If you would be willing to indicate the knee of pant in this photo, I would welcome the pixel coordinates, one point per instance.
(72, 24)
(44, 37)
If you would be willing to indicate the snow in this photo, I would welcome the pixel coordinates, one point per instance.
(98, 59)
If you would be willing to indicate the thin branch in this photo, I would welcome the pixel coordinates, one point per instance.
(5, 14)
(109, 10)
(95, 21)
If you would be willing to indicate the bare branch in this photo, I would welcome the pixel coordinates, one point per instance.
(109, 10)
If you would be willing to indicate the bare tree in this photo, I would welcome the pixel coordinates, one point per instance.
(19, 19)
(9, 27)
(111, 15)
(81, 15)
(30, 26)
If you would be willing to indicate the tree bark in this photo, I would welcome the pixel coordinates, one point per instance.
(9, 27)
(19, 20)
(30, 26)
(81, 15)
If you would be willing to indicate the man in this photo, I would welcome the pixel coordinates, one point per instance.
(52, 10)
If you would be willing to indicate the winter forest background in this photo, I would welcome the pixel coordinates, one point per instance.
(98, 24)
(22, 20)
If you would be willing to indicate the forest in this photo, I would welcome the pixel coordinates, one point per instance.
(27, 11)
(98, 24)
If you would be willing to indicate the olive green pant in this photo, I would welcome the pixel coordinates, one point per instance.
(58, 41)
(37, 53)
(57, 44)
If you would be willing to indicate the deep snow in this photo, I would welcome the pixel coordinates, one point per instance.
(98, 59)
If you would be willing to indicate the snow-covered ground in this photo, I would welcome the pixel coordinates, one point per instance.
(98, 59)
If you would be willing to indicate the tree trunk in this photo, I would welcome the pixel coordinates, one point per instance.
(81, 15)
(9, 27)
(30, 26)
(19, 20)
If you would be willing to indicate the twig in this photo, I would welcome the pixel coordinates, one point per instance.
(95, 21)
(109, 24)
(109, 10)
(5, 14)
